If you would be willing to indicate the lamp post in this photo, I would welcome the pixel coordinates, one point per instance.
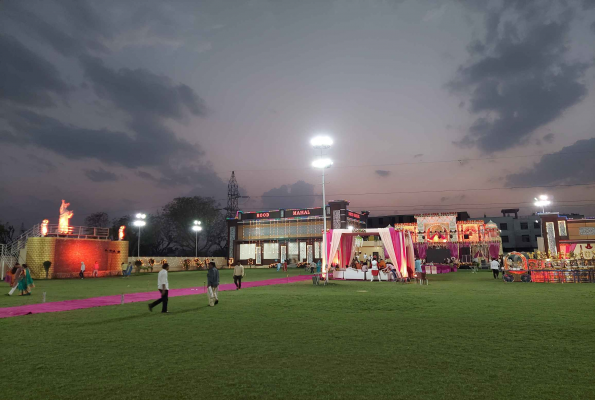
(542, 201)
(322, 143)
(140, 222)
(196, 228)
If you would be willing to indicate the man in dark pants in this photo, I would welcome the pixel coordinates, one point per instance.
(163, 287)
(238, 274)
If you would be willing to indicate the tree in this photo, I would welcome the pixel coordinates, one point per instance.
(180, 214)
(6, 233)
(97, 220)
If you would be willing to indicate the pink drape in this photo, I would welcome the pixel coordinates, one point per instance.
(346, 247)
(494, 250)
(410, 251)
(398, 240)
(421, 249)
(454, 250)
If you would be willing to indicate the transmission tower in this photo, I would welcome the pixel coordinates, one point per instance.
(233, 194)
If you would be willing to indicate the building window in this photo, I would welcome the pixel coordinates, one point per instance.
(503, 227)
(526, 239)
(504, 238)
(536, 225)
(524, 225)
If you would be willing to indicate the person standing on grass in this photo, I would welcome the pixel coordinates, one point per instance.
(238, 274)
(17, 274)
(495, 267)
(96, 270)
(26, 283)
(82, 272)
(421, 276)
(213, 284)
(163, 286)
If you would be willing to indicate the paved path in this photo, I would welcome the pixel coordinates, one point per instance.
(68, 305)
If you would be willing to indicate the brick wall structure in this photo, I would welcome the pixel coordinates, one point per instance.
(177, 263)
(66, 256)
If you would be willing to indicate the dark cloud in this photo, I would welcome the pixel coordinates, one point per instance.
(382, 172)
(573, 164)
(142, 93)
(297, 195)
(549, 138)
(522, 80)
(100, 175)
(418, 155)
(26, 78)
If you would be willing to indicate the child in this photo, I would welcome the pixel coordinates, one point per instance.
(96, 270)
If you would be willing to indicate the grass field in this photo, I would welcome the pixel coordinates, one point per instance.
(463, 336)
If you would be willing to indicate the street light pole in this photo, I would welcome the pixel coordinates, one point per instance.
(323, 142)
(196, 228)
(140, 222)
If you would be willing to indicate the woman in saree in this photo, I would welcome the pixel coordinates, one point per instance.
(26, 282)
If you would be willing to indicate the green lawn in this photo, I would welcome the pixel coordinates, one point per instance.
(68, 289)
(463, 336)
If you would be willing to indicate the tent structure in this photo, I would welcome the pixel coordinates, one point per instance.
(398, 246)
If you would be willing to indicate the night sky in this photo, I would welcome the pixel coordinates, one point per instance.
(120, 106)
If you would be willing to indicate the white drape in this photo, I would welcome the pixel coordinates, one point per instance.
(352, 255)
(334, 245)
(387, 241)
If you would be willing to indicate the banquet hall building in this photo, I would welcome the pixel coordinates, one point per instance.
(292, 235)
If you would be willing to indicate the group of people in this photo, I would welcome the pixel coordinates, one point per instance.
(20, 279)
(212, 285)
(94, 274)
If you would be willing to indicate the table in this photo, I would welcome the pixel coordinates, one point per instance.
(440, 268)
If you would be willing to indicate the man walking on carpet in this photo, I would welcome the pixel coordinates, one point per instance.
(163, 286)
(238, 274)
(213, 284)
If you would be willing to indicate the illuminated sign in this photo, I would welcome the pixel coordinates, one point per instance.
(295, 213)
(263, 215)
(354, 215)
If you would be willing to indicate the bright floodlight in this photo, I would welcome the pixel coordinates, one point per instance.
(322, 163)
(543, 197)
(139, 223)
(197, 228)
(350, 227)
(321, 142)
(543, 201)
(141, 216)
(197, 222)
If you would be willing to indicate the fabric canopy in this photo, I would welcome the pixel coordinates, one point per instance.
(341, 246)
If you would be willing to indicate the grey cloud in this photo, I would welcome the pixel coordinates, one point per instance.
(100, 175)
(418, 155)
(26, 78)
(297, 195)
(523, 80)
(142, 93)
(60, 41)
(549, 138)
(382, 172)
(573, 164)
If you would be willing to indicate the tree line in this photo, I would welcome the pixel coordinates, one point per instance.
(168, 231)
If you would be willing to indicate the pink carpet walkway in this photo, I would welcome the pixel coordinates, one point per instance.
(68, 305)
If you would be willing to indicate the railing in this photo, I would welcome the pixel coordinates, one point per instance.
(77, 232)
(9, 253)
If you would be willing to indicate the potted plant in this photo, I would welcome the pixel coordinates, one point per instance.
(138, 264)
(47, 265)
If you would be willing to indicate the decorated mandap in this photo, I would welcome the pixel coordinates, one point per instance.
(342, 245)
(461, 240)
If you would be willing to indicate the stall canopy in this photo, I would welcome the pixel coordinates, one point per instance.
(397, 244)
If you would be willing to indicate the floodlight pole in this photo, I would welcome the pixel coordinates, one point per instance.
(196, 245)
(138, 251)
(324, 255)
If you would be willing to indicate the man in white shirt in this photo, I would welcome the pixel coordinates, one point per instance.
(238, 274)
(163, 287)
(495, 267)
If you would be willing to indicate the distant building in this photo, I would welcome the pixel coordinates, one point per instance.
(517, 233)
(564, 235)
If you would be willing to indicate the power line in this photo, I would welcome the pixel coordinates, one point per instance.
(460, 160)
(469, 204)
(431, 191)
